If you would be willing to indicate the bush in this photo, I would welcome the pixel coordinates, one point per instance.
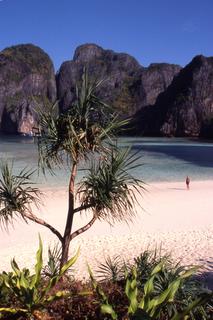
(32, 293)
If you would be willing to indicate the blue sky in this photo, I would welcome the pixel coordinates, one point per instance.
(151, 30)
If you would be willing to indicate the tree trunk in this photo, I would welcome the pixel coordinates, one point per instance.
(65, 251)
(67, 232)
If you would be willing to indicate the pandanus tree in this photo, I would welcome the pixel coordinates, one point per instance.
(83, 133)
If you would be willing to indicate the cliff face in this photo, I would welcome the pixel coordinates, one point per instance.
(186, 106)
(163, 99)
(121, 73)
(26, 75)
(155, 79)
(128, 86)
(189, 100)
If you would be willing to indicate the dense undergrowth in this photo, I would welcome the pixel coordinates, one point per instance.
(150, 288)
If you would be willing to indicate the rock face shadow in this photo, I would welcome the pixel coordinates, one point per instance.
(201, 156)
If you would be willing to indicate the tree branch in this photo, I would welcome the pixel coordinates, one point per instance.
(83, 207)
(83, 229)
(35, 219)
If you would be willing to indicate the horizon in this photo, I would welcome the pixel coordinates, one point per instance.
(150, 32)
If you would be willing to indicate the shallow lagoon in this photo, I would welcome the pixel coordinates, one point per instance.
(163, 159)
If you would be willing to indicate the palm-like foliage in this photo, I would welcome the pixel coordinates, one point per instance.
(111, 269)
(16, 193)
(110, 189)
(52, 267)
(147, 260)
(78, 131)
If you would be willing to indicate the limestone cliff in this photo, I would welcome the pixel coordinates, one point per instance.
(163, 99)
(186, 106)
(128, 86)
(26, 75)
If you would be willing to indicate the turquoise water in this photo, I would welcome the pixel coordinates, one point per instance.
(163, 159)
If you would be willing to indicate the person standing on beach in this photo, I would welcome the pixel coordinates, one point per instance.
(187, 182)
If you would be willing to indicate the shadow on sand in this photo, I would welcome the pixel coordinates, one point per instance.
(206, 279)
(177, 189)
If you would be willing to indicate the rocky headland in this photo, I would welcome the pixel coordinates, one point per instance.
(162, 99)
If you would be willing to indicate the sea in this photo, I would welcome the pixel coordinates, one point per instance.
(161, 159)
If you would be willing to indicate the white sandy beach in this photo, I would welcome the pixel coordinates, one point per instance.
(173, 218)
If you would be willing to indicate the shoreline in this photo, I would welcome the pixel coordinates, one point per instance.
(151, 184)
(173, 218)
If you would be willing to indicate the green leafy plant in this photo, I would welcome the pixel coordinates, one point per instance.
(154, 305)
(186, 293)
(106, 307)
(52, 268)
(145, 304)
(146, 262)
(4, 291)
(29, 289)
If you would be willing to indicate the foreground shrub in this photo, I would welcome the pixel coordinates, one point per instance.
(31, 292)
(124, 292)
(187, 291)
(159, 297)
